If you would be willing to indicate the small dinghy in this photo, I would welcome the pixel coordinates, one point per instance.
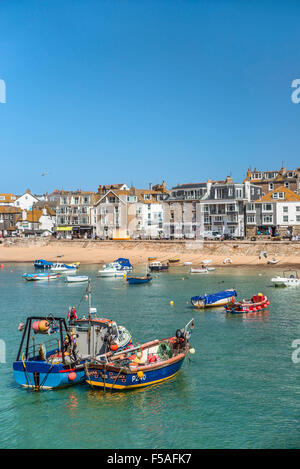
(139, 280)
(143, 365)
(173, 260)
(215, 299)
(273, 261)
(77, 278)
(250, 305)
(199, 270)
(40, 277)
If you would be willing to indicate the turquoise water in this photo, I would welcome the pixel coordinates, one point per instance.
(241, 389)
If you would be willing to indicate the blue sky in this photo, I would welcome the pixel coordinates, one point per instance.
(110, 91)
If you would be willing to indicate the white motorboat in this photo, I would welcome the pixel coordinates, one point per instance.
(59, 267)
(112, 272)
(199, 270)
(188, 263)
(77, 278)
(289, 278)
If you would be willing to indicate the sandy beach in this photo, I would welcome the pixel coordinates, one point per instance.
(97, 252)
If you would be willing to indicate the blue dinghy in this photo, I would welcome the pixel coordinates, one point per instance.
(139, 280)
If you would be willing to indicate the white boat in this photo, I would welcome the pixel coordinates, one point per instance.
(289, 278)
(210, 269)
(76, 278)
(206, 261)
(198, 270)
(273, 261)
(188, 263)
(112, 272)
(58, 267)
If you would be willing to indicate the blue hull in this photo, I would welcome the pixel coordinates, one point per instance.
(138, 281)
(121, 382)
(45, 375)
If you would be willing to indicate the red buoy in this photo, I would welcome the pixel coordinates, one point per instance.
(72, 376)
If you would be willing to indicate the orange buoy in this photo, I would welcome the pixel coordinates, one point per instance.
(43, 326)
(72, 376)
(113, 347)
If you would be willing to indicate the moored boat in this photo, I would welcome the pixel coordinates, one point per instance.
(76, 278)
(111, 272)
(42, 264)
(199, 270)
(256, 303)
(40, 277)
(215, 299)
(139, 280)
(53, 354)
(158, 266)
(289, 278)
(143, 365)
(59, 267)
(173, 260)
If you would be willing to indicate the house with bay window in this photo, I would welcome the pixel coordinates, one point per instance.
(74, 213)
(276, 213)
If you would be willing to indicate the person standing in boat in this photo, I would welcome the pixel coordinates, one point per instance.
(72, 314)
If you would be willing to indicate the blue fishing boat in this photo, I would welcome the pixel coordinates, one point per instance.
(53, 354)
(143, 365)
(42, 264)
(139, 280)
(221, 298)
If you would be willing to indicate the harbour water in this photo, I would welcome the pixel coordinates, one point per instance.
(240, 390)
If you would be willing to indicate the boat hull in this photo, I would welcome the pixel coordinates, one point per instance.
(42, 375)
(138, 281)
(127, 381)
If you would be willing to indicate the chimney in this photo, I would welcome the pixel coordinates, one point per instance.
(150, 186)
(228, 180)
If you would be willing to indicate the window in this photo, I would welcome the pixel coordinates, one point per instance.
(285, 218)
(147, 196)
(250, 207)
(239, 193)
(271, 186)
(250, 219)
(298, 218)
(267, 208)
(2, 197)
(268, 219)
(287, 185)
(285, 209)
(230, 191)
(298, 208)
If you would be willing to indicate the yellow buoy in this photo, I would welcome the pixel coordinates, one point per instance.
(140, 374)
(182, 278)
(172, 303)
(124, 275)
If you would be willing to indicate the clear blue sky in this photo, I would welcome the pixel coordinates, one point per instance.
(110, 91)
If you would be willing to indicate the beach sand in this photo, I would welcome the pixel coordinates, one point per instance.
(138, 253)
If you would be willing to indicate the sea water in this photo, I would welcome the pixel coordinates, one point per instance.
(241, 389)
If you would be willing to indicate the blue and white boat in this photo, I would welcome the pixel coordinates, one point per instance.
(122, 264)
(221, 298)
(143, 365)
(40, 276)
(59, 267)
(42, 264)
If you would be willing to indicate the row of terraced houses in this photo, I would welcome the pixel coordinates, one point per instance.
(265, 204)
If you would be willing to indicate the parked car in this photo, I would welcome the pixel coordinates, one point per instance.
(211, 235)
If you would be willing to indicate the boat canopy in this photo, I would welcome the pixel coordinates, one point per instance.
(42, 262)
(123, 262)
(214, 297)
